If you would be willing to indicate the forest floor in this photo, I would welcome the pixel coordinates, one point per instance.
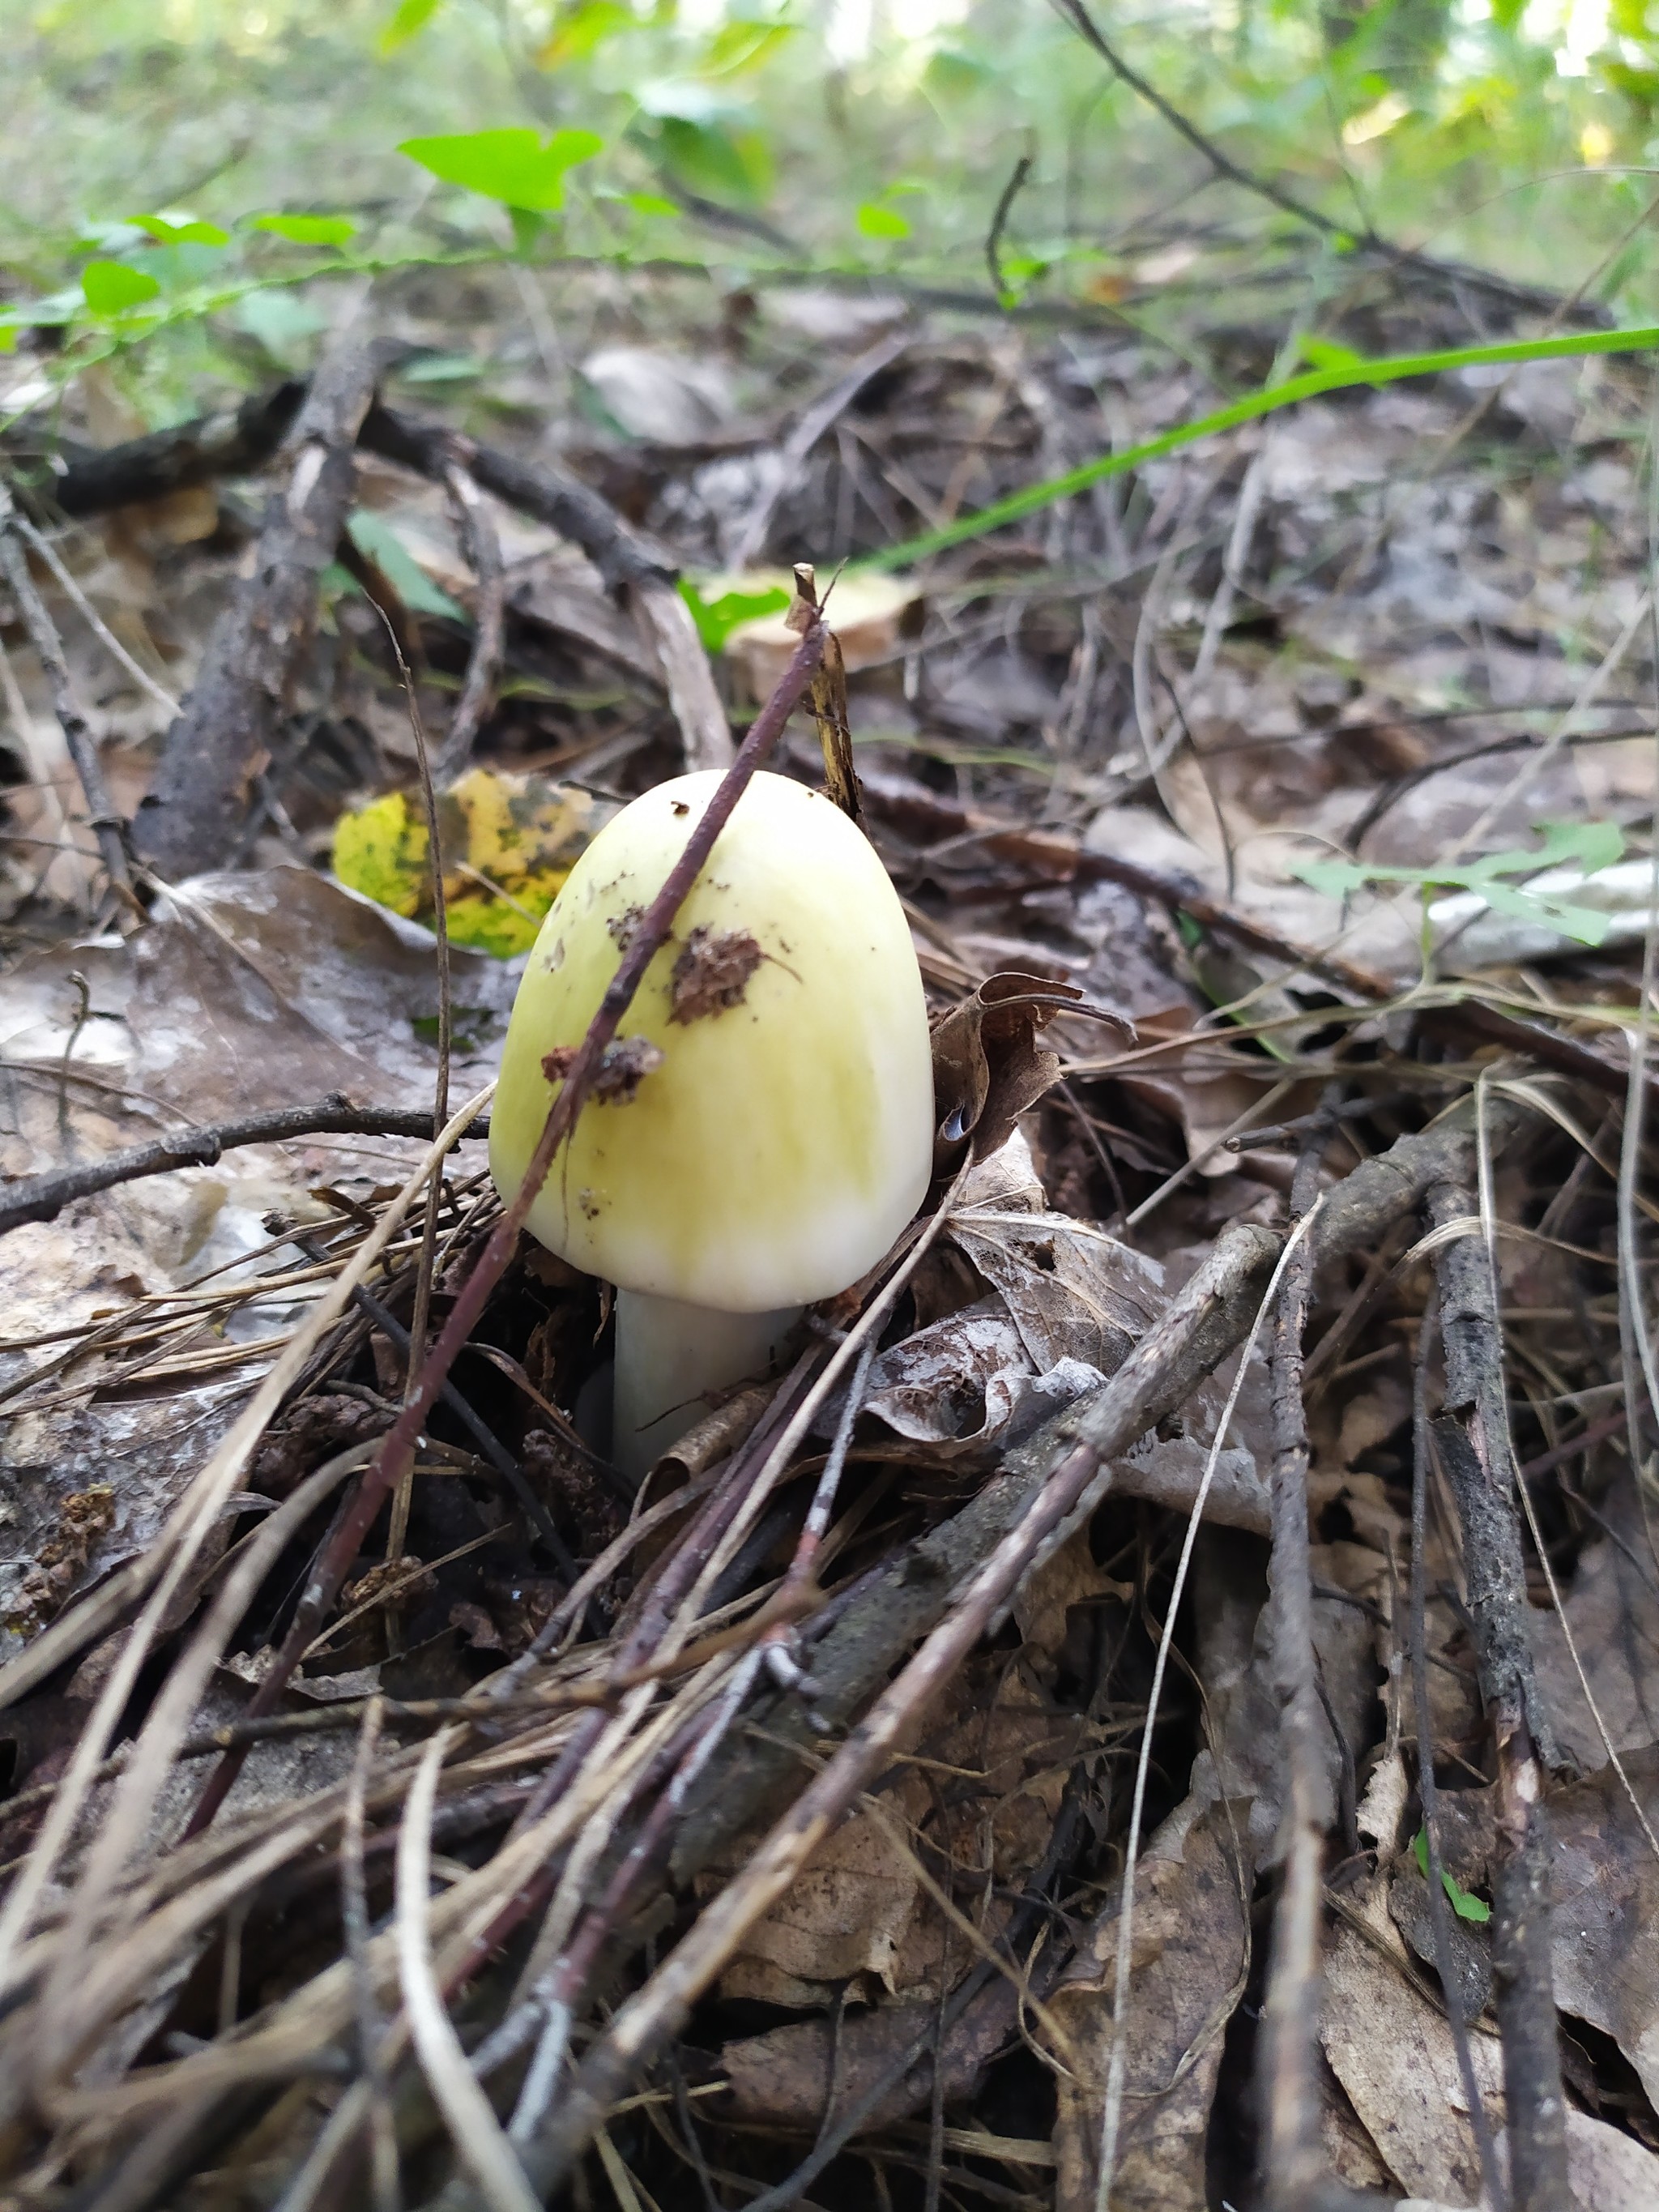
(1247, 1505)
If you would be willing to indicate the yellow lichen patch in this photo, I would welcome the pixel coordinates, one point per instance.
(508, 842)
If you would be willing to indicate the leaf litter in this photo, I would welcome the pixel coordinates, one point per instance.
(1425, 652)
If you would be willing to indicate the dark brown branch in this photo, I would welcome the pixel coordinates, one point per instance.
(261, 645)
(106, 826)
(640, 572)
(43, 1197)
(1010, 192)
(547, 494)
(230, 442)
(398, 1450)
(1473, 1437)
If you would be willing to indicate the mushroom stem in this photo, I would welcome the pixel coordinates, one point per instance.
(669, 1357)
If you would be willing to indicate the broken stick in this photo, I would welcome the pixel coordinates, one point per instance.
(260, 645)
(1471, 1436)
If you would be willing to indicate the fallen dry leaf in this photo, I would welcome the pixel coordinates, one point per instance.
(978, 1807)
(1391, 2049)
(254, 990)
(1191, 1955)
(1613, 1610)
(1393, 2053)
(1604, 1894)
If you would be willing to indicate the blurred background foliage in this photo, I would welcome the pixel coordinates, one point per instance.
(259, 141)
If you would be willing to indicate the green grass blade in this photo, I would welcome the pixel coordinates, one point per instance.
(1342, 377)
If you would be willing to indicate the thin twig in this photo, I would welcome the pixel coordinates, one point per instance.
(1492, 2180)
(1290, 2016)
(472, 2122)
(1111, 2115)
(43, 1197)
(101, 629)
(403, 1498)
(1005, 199)
(1502, 288)
(822, 415)
(105, 824)
(354, 1923)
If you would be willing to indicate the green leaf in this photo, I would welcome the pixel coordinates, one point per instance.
(875, 221)
(1324, 353)
(111, 288)
(716, 161)
(741, 46)
(1587, 847)
(1640, 86)
(527, 229)
(952, 75)
(306, 229)
(405, 20)
(1335, 878)
(440, 368)
(651, 204)
(716, 619)
(583, 30)
(377, 541)
(1463, 1902)
(513, 165)
(189, 232)
(278, 320)
(1591, 846)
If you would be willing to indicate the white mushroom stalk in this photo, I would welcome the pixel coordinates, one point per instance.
(763, 1131)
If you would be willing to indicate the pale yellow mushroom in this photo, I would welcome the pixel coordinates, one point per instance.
(763, 1129)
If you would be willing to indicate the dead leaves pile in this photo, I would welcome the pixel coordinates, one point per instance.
(937, 1990)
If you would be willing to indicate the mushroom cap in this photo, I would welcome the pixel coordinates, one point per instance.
(785, 1137)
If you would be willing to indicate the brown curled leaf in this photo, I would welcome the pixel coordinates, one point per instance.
(712, 972)
(989, 1067)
